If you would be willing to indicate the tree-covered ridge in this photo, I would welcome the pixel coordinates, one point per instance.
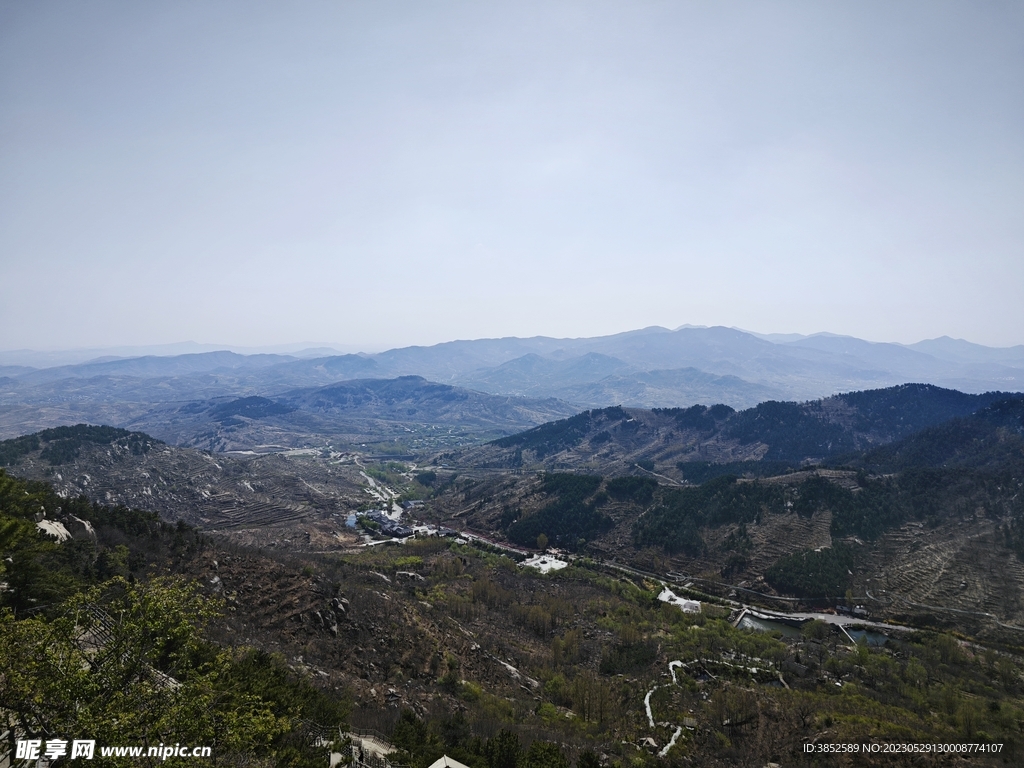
(854, 420)
(993, 436)
(254, 407)
(565, 433)
(61, 445)
(792, 432)
(896, 412)
(12, 450)
(699, 417)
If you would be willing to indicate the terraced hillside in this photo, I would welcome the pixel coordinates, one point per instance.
(961, 568)
(286, 499)
(452, 649)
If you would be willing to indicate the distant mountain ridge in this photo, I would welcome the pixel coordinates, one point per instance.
(407, 412)
(154, 366)
(645, 368)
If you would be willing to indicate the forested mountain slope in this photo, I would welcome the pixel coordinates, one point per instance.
(673, 442)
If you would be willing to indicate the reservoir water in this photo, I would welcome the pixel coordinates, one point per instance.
(874, 639)
(767, 625)
(787, 629)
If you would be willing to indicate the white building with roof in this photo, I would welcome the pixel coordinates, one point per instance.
(685, 605)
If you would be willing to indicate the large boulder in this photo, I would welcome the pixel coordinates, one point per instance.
(79, 528)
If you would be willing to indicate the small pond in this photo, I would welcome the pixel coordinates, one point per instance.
(767, 625)
(873, 639)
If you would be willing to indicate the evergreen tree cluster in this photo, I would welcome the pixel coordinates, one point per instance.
(813, 573)
(571, 516)
(678, 514)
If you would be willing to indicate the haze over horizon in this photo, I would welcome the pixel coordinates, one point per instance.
(190, 345)
(46, 358)
(252, 174)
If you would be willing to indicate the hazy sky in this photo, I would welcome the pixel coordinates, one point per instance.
(377, 174)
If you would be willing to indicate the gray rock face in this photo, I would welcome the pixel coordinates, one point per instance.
(79, 528)
(53, 528)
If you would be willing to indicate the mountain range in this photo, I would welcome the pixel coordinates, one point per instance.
(647, 368)
(899, 504)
